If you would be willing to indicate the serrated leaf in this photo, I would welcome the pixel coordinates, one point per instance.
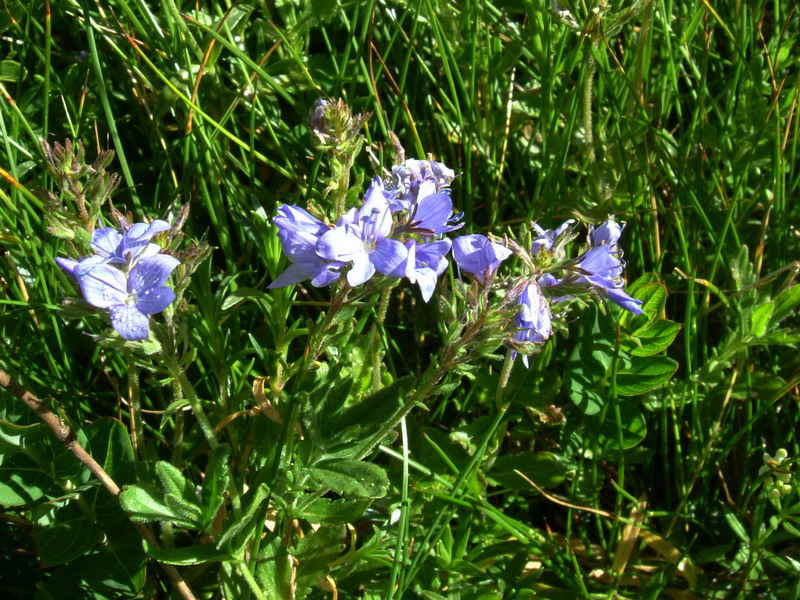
(315, 553)
(215, 483)
(145, 504)
(231, 539)
(325, 510)
(179, 492)
(189, 555)
(784, 305)
(350, 478)
(760, 318)
(644, 374)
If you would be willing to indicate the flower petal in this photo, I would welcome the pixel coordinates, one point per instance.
(341, 243)
(361, 271)
(129, 323)
(105, 241)
(154, 300)
(101, 284)
(388, 255)
(151, 272)
(68, 265)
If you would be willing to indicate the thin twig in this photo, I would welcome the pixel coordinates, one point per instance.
(67, 437)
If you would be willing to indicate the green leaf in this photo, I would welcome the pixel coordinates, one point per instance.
(315, 553)
(22, 481)
(237, 535)
(624, 434)
(350, 478)
(644, 374)
(143, 503)
(189, 555)
(735, 524)
(240, 296)
(654, 299)
(110, 445)
(653, 338)
(9, 70)
(119, 564)
(215, 483)
(543, 468)
(760, 319)
(784, 305)
(275, 572)
(69, 535)
(325, 510)
(179, 494)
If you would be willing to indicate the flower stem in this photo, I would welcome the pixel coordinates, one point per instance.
(134, 404)
(191, 396)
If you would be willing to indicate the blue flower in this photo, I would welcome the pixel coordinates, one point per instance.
(534, 320)
(407, 177)
(478, 255)
(423, 265)
(361, 237)
(546, 238)
(432, 213)
(601, 267)
(116, 248)
(299, 232)
(129, 298)
(607, 234)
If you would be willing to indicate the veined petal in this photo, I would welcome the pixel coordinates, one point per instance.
(294, 218)
(129, 323)
(154, 300)
(327, 274)
(105, 241)
(68, 265)
(294, 273)
(101, 284)
(361, 271)
(140, 233)
(624, 300)
(426, 280)
(388, 254)
(151, 272)
(341, 243)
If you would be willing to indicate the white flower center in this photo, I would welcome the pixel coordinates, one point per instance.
(130, 300)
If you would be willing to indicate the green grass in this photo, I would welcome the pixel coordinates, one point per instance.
(694, 143)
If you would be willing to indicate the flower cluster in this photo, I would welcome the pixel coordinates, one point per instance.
(397, 232)
(779, 475)
(126, 276)
(597, 271)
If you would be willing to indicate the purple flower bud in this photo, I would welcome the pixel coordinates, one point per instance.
(606, 234)
(546, 238)
(478, 255)
(534, 320)
(407, 177)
